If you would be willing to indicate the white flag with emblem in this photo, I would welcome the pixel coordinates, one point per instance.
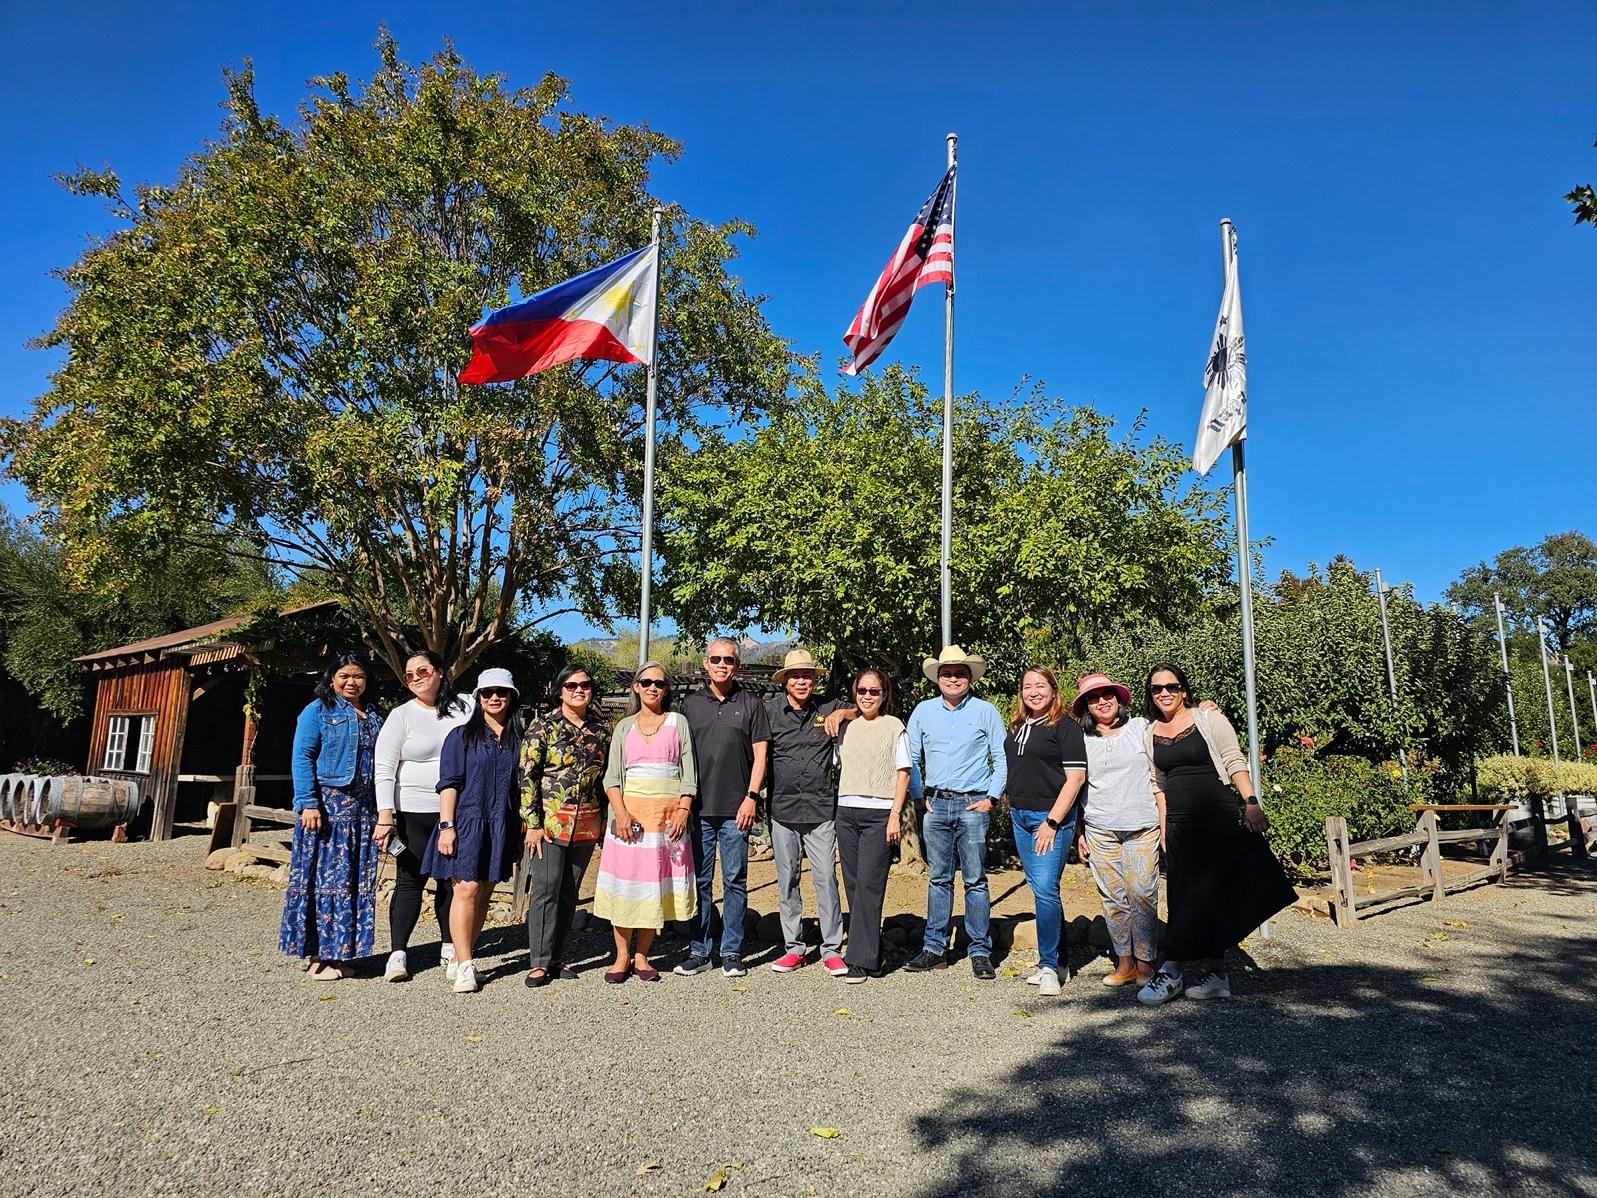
(1225, 379)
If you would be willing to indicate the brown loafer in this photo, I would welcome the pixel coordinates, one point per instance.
(646, 975)
(616, 976)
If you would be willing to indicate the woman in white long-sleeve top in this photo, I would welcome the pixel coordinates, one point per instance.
(407, 798)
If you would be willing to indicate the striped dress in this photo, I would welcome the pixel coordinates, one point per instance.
(645, 883)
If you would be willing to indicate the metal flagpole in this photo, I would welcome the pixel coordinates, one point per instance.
(948, 442)
(1391, 669)
(647, 564)
(1239, 476)
(1547, 681)
(1591, 685)
(1574, 720)
(1508, 680)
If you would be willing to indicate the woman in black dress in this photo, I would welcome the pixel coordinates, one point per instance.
(1221, 879)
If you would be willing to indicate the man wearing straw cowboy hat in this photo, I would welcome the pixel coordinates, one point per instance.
(957, 741)
(803, 799)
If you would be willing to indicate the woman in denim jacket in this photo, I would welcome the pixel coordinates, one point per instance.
(332, 874)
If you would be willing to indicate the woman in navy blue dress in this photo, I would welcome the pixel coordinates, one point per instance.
(478, 839)
(331, 905)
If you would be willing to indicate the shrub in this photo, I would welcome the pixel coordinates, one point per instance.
(1302, 790)
(1508, 779)
(1575, 777)
(45, 767)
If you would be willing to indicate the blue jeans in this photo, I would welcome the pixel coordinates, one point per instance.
(952, 835)
(1042, 876)
(709, 835)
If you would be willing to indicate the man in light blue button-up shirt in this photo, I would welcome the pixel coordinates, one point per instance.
(957, 742)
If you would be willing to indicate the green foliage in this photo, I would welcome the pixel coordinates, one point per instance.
(45, 767)
(1584, 203)
(1302, 789)
(1507, 779)
(674, 653)
(1555, 579)
(825, 522)
(264, 353)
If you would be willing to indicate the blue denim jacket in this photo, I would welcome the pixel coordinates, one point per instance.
(326, 743)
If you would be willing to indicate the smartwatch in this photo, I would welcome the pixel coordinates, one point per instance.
(445, 826)
(1051, 822)
(755, 795)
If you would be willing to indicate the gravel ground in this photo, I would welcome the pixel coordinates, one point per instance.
(157, 1043)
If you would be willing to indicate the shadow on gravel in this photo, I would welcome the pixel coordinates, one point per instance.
(1325, 1079)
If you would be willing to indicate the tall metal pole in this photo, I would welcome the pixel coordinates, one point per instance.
(647, 563)
(1508, 679)
(1591, 685)
(948, 442)
(1239, 476)
(1547, 681)
(1391, 669)
(1574, 720)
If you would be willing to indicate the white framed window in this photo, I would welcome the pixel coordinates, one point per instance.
(116, 742)
(146, 744)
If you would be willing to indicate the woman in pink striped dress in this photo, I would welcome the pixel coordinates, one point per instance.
(646, 873)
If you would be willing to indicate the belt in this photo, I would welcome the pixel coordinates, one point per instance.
(942, 792)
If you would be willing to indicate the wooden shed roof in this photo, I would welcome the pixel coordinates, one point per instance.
(187, 643)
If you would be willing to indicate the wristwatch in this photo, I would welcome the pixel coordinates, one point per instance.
(445, 826)
(1251, 801)
(755, 795)
(1051, 822)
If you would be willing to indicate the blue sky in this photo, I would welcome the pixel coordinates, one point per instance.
(1420, 311)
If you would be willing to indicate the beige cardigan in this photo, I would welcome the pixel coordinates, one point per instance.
(1221, 738)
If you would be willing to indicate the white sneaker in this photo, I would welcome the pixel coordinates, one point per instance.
(1210, 985)
(1161, 988)
(1036, 978)
(1048, 982)
(465, 977)
(398, 969)
(446, 954)
(449, 971)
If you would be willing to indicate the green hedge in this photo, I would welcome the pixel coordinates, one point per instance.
(1507, 779)
(1301, 790)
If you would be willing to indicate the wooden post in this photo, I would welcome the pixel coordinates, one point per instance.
(1431, 858)
(1341, 870)
(1499, 858)
(1538, 828)
(244, 777)
(1577, 829)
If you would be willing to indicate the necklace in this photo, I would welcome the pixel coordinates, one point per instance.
(649, 734)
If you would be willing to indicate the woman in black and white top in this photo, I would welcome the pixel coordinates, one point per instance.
(1047, 758)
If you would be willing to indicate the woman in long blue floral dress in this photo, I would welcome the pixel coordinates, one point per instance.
(331, 907)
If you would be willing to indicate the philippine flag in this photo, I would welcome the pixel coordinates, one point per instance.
(606, 313)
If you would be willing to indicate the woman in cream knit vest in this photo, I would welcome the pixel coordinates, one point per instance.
(873, 780)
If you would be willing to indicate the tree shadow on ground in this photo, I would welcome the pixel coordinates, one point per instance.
(1336, 1078)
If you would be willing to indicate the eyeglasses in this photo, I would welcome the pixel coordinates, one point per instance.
(496, 692)
(719, 660)
(867, 690)
(654, 683)
(576, 686)
(1100, 696)
(419, 675)
(953, 673)
(1165, 688)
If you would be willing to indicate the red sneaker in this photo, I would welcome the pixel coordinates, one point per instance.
(788, 963)
(835, 966)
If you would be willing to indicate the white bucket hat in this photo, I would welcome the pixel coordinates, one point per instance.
(497, 677)
(955, 656)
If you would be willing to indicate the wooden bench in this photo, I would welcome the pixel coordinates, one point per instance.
(1428, 836)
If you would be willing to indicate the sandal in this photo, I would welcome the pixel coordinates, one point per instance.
(327, 973)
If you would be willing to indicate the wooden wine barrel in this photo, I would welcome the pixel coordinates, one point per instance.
(7, 784)
(87, 802)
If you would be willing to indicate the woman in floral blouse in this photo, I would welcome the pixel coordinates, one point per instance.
(562, 808)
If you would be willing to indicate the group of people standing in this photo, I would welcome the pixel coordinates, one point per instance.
(460, 787)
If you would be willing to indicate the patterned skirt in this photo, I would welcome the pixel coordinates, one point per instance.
(646, 883)
(331, 906)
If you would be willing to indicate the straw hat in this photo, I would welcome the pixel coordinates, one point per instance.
(796, 659)
(953, 655)
(1096, 682)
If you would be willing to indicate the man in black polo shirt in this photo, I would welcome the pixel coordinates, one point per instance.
(803, 806)
(730, 737)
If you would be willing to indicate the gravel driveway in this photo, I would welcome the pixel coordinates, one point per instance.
(157, 1043)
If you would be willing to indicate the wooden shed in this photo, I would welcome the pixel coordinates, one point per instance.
(169, 713)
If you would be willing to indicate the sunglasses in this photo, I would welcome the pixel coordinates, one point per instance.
(576, 686)
(1100, 696)
(719, 660)
(496, 692)
(1165, 688)
(654, 683)
(419, 675)
(867, 690)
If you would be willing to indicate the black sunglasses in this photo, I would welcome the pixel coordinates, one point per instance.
(654, 683)
(576, 686)
(496, 692)
(867, 690)
(719, 660)
(1165, 688)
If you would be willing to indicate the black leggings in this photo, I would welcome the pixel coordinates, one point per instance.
(415, 829)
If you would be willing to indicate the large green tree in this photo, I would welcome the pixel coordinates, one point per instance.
(1555, 579)
(825, 522)
(264, 353)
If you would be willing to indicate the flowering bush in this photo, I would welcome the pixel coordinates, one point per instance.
(45, 767)
(1302, 790)
(1506, 779)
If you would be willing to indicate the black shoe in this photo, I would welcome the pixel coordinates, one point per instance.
(534, 981)
(856, 974)
(563, 973)
(924, 962)
(982, 967)
(692, 967)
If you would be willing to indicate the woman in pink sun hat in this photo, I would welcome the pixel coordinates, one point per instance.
(1123, 824)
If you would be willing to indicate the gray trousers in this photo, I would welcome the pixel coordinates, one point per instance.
(552, 899)
(818, 842)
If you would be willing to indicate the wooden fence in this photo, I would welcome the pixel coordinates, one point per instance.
(1428, 837)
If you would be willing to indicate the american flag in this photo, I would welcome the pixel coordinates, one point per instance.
(926, 255)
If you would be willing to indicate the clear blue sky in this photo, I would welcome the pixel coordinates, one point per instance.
(1421, 317)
